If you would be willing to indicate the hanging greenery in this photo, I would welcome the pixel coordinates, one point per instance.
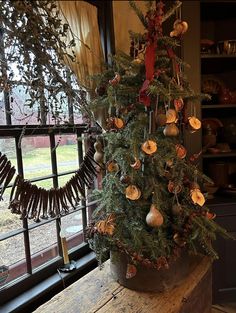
(34, 52)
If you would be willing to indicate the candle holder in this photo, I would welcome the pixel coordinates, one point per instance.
(68, 267)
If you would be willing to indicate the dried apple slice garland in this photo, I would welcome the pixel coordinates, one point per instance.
(31, 201)
(7, 171)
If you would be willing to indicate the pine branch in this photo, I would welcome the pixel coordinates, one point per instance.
(148, 4)
(138, 12)
(136, 36)
(172, 10)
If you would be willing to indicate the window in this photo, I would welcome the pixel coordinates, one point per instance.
(47, 155)
(25, 246)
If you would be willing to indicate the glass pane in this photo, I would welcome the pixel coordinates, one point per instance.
(21, 113)
(62, 180)
(8, 221)
(72, 227)
(43, 244)
(77, 117)
(7, 146)
(57, 102)
(2, 109)
(36, 156)
(67, 153)
(12, 255)
(47, 183)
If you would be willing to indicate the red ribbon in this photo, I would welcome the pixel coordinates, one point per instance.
(154, 29)
(150, 61)
(150, 69)
(171, 55)
(143, 96)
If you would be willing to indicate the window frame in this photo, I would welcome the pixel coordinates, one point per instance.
(30, 278)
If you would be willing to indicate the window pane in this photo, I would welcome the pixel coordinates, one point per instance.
(46, 184)
(12, 254)
(72, 227)
(43, 244)
(36, 156)
(8, 221)
(62, 180)
(2, 109)
(21, 113)
(57, 103)
(77, 117)
(67, 153)
(7, 146)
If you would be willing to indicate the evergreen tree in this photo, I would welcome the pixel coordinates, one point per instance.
(152, 206)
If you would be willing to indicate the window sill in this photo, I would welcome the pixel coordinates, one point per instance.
(40, 293)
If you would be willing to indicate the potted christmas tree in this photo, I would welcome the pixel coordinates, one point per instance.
(152, 214)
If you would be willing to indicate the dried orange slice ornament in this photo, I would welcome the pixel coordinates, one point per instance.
(112, 166)
(180, 151)
(115, 80)
(149, 147)
(180, 241)
(197, 197)
(170, 163)
(194, 124)
(173, 187)
(171, 116)
(131, 271)
(137, 164)
(178, 104)
(118, 123)
(210, 215)
(132, 192)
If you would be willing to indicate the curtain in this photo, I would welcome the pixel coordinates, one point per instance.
(125, 19)
(82, 18)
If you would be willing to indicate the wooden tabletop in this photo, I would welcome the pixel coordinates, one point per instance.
(98, 292)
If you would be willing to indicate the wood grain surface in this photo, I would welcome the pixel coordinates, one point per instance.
(98, 293)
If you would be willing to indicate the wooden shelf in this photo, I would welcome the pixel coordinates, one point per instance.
(218, 106)
(219, 155)
(217, 56)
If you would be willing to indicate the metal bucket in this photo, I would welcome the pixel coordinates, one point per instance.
(148, 279)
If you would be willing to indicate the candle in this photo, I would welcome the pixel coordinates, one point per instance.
(64, 249)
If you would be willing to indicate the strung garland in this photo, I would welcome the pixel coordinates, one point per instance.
(33, 202)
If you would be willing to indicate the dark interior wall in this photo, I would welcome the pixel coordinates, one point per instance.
(191, 55)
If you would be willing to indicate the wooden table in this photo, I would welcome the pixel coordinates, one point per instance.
(97, 292)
